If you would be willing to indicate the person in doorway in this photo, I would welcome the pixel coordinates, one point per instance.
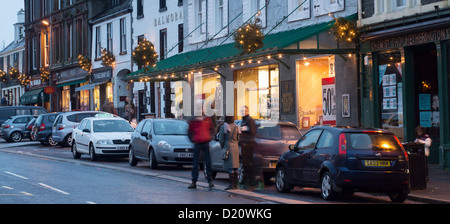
(247, 141)
(228, 138)
(423, 138)
(199, 132)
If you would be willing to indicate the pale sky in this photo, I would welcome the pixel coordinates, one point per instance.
(8, 17)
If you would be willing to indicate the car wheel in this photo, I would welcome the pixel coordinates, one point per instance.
(92, 154)
(152, 160)
(281, 182)
(68, 140)
(398, 197)
(131, 158)
(326, 189)
(16, 136)
(75, 153)
(50, 141)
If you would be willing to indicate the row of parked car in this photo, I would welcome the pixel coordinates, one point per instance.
(338, 160)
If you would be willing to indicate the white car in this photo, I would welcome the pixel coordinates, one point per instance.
(101, 136)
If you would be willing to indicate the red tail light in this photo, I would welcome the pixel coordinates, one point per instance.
(7, 126)
(403, 148)
(61, 126)
(42, 127)
(342, 146)
(30, 127)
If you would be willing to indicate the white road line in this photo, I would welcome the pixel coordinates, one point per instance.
(16, 175)
(52, 188)
(91, 203)
(9, 188)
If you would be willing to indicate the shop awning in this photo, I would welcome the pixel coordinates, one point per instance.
(209, 57)
(70, 83)
(33, 97)
(88, 86)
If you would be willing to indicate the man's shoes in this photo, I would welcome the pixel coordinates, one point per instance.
(211, 184)
(193, 185)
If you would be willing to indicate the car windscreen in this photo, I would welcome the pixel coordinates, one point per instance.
(170, 127)
(102, 126)
(372, 141)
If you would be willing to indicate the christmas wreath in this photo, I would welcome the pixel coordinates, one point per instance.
(249, 37)
(24, 80)
(345, 30)
(144, 54)
(45, 74)
(108, 58)
(84, 62)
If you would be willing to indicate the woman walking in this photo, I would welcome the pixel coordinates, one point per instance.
(229, 140)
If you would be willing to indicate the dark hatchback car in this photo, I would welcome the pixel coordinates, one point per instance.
(346, 160)
(42, 129)
(272, 140)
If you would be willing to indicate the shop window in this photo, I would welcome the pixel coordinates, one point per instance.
(84, 98)
(390, 95)
(65, 99)
(258, 88)
(206, 91)
(316, 91)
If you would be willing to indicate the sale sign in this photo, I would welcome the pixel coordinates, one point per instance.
(329, 101)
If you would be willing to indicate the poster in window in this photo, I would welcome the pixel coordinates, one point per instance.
(345, 105)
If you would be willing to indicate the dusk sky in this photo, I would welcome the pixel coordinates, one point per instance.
(8, 15)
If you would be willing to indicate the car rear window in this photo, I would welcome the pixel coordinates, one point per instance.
(372, 141)
(285, 132)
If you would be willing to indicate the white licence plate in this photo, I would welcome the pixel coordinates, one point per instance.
(185, 155)
(122, 148)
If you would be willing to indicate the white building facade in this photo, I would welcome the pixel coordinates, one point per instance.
(13, 57)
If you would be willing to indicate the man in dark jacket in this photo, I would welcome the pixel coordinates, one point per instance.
(247, 141)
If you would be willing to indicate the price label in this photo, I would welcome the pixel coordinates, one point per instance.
(329, 101)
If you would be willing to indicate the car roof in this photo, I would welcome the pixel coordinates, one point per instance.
(82, 112)
(348, 129)
(104, 118)
(165, 119)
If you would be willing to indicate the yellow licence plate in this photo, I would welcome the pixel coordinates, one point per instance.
(377, 163)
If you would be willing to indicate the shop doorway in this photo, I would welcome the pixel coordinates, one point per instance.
(426, 91)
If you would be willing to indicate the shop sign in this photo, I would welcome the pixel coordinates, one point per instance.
(287, 97)
(101, 75)
(49, 90)
(329, 101)
(411, 39)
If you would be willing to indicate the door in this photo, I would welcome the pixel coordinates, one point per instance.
(318, 156)
(143, 141)
(84, 137)
(298, 158)
(77, 134)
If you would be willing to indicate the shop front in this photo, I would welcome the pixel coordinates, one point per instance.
(405, 83)
(102, 87)
(67, 81)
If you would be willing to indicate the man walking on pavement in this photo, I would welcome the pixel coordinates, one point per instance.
(247, 141)
(199, 132)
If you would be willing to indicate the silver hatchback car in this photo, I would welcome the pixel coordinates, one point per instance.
(161, 141)
(13, 129)
(66, 122)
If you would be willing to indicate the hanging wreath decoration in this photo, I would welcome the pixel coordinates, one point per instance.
(345, 30)
(145, 54)
(24, 80)
(249, 38)
(3, 77)
(108, 58)
(84, 62)
(45, 74)
(14, 73)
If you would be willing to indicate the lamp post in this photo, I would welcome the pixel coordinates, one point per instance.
(47, 24)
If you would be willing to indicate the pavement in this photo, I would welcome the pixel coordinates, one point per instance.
(437, 189)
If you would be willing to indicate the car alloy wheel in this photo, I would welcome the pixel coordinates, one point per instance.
(327, 191)
(131, 158)
(281, 182)
(50, 141)
(16, 136)
(75, 153)
(92, 155)
(69, 140)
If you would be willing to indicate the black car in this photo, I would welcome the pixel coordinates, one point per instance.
(43, 127)
(345, 160)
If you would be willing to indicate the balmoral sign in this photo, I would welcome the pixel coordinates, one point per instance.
(411, 39)
(169, 18)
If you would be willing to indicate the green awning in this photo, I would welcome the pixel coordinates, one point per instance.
(212, 56)
(33, 97)
(71, 83)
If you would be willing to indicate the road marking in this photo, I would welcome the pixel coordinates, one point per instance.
(91, 203)
(26, 193)
(52, 188)
(16, 175)
(9, 188)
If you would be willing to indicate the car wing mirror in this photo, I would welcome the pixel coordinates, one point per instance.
(292, 147)
(144, 134)
(86, 130)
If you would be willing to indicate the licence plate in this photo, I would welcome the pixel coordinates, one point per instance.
(272, 164)
(377, 163)
(185, 155)
(122, 148)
